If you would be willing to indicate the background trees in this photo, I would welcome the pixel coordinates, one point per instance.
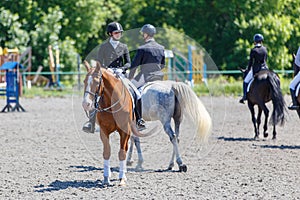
(224, 28)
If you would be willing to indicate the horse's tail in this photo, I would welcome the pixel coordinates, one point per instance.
(193, 106)
(279, 107)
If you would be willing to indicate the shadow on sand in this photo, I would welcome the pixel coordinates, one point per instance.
(280, 146)
(232, 139)
(62, 185)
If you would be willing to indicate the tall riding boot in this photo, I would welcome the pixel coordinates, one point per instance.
(295, 105)
(244, 98)
(138, 115)
(89, 127)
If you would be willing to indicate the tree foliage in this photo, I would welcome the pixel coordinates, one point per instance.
(224, 28)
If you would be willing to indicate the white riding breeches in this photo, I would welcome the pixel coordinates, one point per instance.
(249, 76)
(295, 81)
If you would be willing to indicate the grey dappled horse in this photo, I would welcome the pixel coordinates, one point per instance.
(164, 100)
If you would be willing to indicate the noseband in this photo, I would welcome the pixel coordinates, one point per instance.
(97, 99)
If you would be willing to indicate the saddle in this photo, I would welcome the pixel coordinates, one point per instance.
(262, 75)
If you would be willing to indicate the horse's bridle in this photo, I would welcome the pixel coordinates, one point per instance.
(98, 98)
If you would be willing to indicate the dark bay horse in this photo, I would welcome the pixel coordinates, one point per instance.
(296, 71)
(265, 87)
(107, 95)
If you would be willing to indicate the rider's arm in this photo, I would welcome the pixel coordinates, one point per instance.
(126, 57)
(101, 56)
(137, 60)
(251, 60)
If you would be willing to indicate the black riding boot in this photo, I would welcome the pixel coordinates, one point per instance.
(89, 127)
(295, 105)
(244, 98)
(138, 115)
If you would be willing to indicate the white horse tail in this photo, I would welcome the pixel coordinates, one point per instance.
(193, 106)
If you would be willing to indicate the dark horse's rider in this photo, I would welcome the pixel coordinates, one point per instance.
(257, 61)
(111, 54)
(295, 82)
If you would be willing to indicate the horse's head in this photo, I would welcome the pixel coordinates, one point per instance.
(244, 71)
(92, 86)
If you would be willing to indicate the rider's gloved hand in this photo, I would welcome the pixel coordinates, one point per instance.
(125, 67)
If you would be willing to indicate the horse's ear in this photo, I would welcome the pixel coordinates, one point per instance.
(87, 65)
(98, 66)
(242, 70)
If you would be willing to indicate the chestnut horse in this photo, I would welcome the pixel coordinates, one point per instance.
(265, 87)
(107, 95)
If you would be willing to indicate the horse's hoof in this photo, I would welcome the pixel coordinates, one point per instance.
(138, 168)
(183, 168)
(122, 182)
(129, 162)
(256, 137)
(106, 182)
(266, 134)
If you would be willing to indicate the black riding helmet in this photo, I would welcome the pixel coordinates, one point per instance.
(114, 27)
(258, 37)
(149, 29)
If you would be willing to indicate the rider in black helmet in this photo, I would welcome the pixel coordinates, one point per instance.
(151, 59)
(257, 61)
(111, 54)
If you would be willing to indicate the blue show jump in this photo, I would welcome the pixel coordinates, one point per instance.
(12, 90)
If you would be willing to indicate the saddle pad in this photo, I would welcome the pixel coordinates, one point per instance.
(249, 85)
(127, 83)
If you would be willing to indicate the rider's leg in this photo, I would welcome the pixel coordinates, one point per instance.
(89, 127)
(138, 114)
(245, 86)
(244, 98)
(293, 86)
(295, 105)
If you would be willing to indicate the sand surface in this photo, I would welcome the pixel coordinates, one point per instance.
(45, 155)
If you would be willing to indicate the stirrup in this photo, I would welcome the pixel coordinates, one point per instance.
(141, 124)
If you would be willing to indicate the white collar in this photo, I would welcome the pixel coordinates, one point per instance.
(258, 45)
(149, 40)
(114, 43)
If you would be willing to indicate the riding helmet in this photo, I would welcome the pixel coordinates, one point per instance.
(114, 27)
(149, 29)
(258, 37)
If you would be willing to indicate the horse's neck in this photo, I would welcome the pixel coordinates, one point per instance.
(111, 83)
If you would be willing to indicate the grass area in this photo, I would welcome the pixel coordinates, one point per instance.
(41, 92)
(216, 87)
(230, 87)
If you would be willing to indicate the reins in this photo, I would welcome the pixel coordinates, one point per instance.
(97, 99)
